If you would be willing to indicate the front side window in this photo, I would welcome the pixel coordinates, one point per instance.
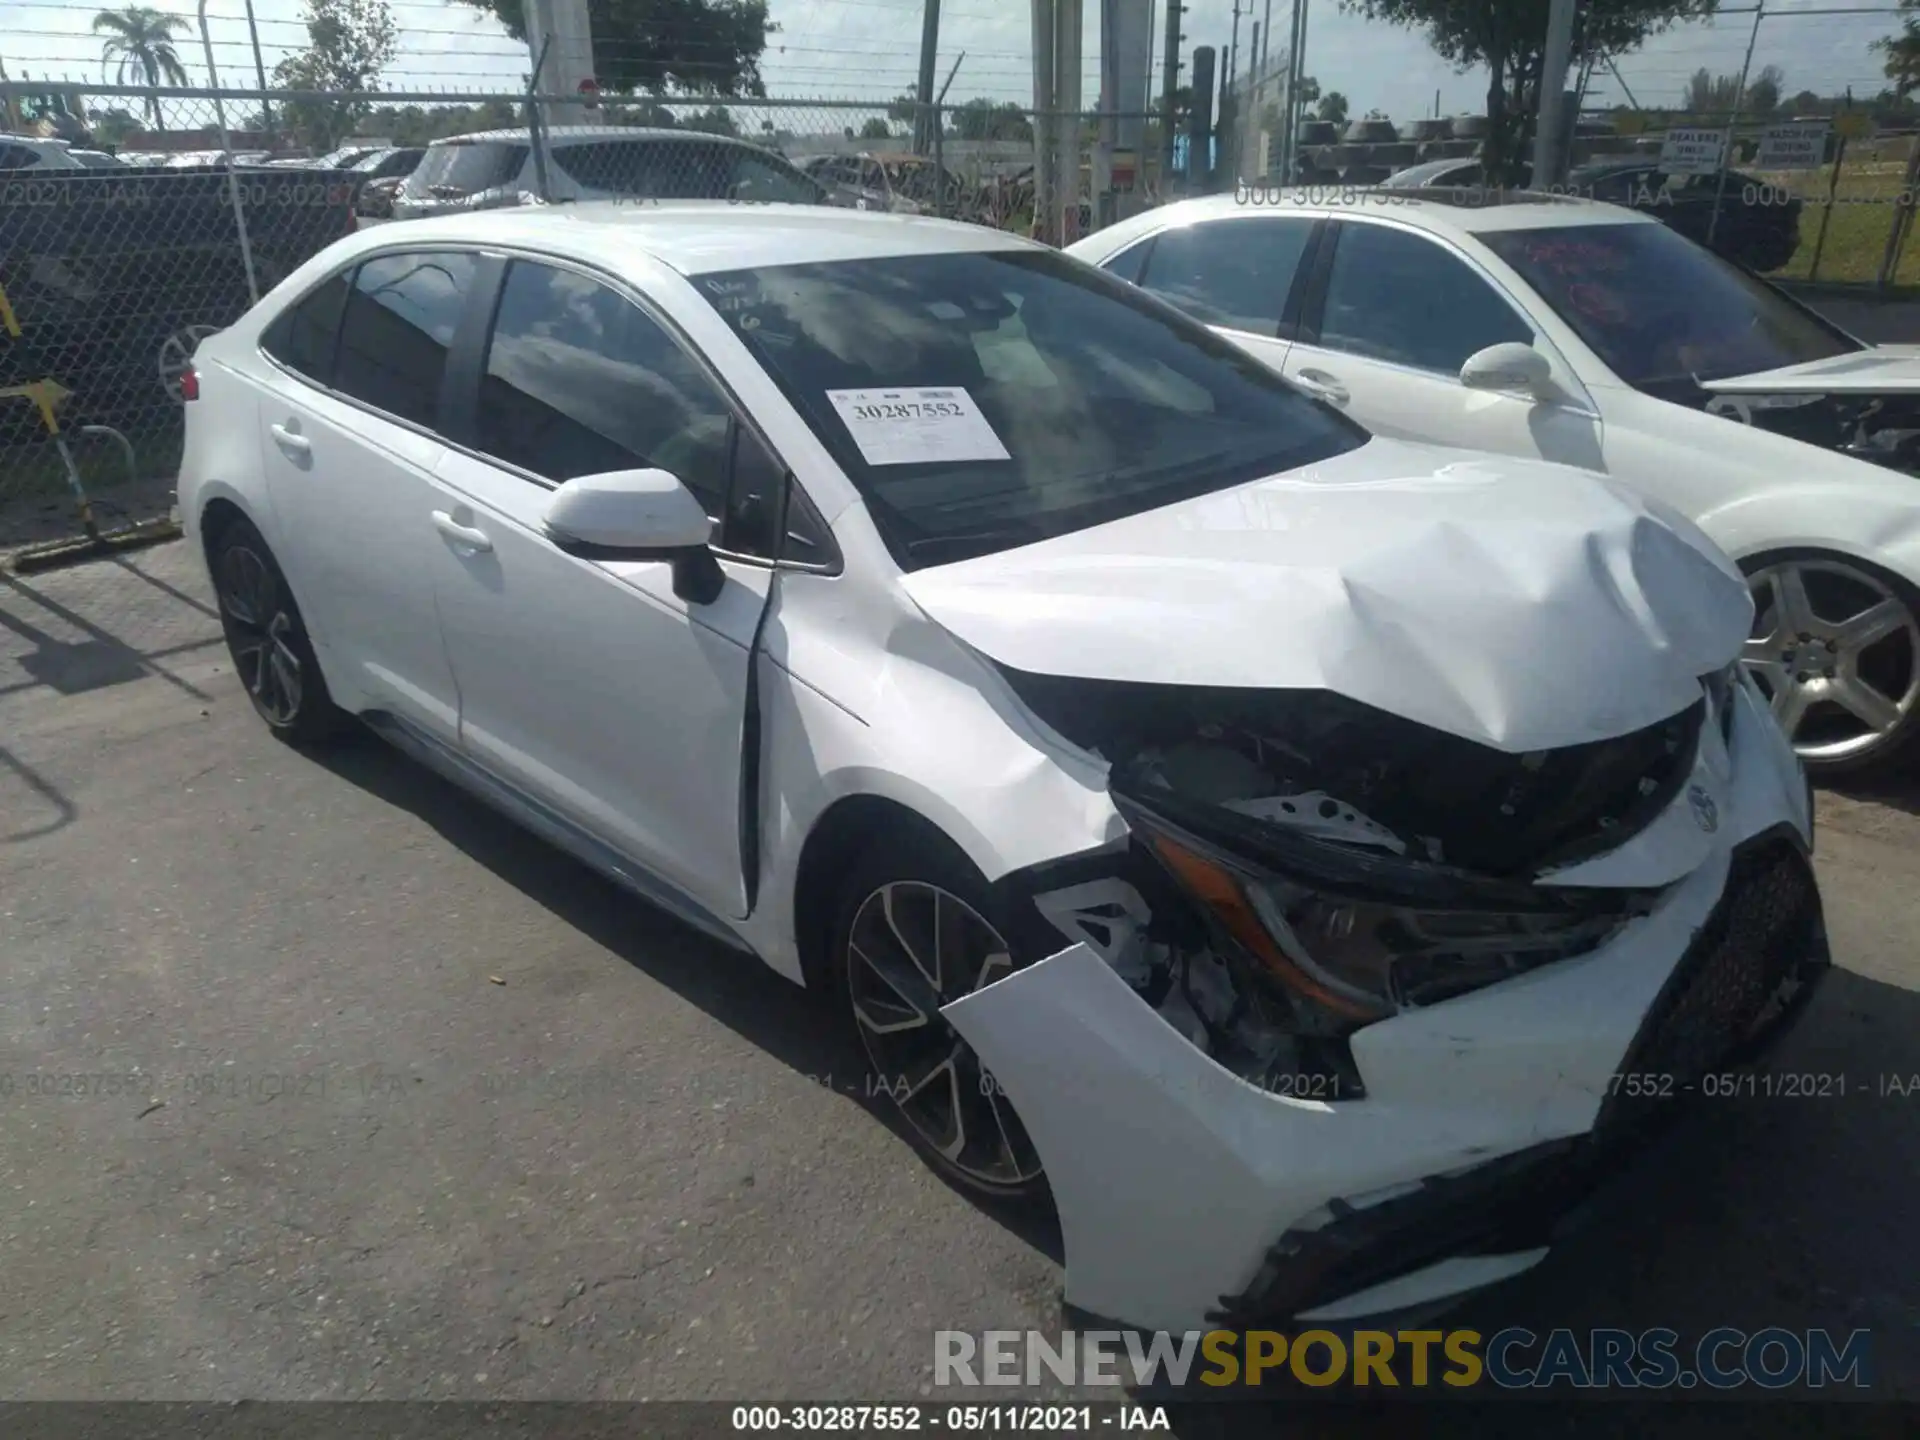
(1396, 296)
(1660, 311)
(400, 321)
(580, 381)
(1234, 273)
(302, 338)
(980, 401)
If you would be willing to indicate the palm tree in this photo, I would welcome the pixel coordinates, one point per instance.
(141, 39)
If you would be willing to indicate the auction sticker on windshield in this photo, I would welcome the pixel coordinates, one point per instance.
(918, 425)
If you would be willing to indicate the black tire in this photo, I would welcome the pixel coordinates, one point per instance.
(924, 873)
(1836, 584)
(267, 639)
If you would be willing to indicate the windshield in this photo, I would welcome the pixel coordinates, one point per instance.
(1662, 312)
(451, 170)
(981, 401)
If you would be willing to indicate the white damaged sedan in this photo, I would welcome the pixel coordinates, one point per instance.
(1315, 859)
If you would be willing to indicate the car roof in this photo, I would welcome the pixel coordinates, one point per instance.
(1441, 210)
(570, 134)
(1427, 169)
(699, 237)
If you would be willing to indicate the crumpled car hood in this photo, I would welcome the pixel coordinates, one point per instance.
(1880, 370)
(1523, 605)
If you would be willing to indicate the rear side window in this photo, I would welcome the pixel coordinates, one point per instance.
(684, 170)
(1126, 265)
(448, 172)
(302, 338)
(400, 321)
(1234, 273)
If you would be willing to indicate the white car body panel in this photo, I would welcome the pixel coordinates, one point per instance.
(1879, 371)
(1340, 564)
(1519, 606)
(1145, 1139)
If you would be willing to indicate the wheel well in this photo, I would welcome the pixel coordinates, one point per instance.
(849, 825)
(214, 520)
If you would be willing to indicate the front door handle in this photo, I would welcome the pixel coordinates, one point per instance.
(291, 441)
(464, 536)
(1322, 386)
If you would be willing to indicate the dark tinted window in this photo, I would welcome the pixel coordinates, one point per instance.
(400, 320)
(981, 401)
(579, 381)
(302, 338)
(1126, 265)
(1230, 272)
(17, 157)
(1660, 311)
(1396, 296)
(452, 170)
(684, 170)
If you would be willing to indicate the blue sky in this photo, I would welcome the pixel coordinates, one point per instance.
(860, 49)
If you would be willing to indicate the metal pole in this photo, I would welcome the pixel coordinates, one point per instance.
(1233, 53)
(1300, 73)
(1170, 70)
(1287, 169)
(1726, 148)
(929, 51)
(1043, 117)
(941, 98)
(1556, 60)
(536, 139)
(260, 71)
(226, 145)
(1066, 95)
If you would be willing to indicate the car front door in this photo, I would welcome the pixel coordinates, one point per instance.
(588, 682)
(1393, 316)
(1237, 275)
(347, 416)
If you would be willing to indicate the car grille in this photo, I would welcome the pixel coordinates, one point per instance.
(1745, 972)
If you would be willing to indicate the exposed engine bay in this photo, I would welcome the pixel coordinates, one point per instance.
(1304, 864)
(1880, 429)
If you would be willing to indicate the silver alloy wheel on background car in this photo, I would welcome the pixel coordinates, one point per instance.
(176, 357)
(914, 948)
(260, 635)
(1837, 651)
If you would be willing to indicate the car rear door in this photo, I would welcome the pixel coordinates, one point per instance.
(347, 416)
(587, 682)
(1390, 317)
(1240, 275)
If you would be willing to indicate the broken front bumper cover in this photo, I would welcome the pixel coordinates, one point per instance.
(1189, 1198)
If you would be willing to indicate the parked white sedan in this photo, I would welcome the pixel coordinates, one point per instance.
(1594, 336)
(1187, 797)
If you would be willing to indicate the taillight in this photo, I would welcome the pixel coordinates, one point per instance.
(189, 384)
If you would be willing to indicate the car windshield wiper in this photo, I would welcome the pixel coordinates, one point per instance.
(969, 543)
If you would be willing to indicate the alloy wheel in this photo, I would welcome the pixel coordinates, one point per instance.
(260, 632)
(1837, 652)
(176, 357)
(915, 947)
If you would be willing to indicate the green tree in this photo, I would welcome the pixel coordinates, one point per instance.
(876, 129)
(115, 126)
(660, 47)
(1902, 51)
(140, 40)
(1715, 97)
(349, 42)
(1333, 107)
(1509, 38)
(714, 120)
(983, 119)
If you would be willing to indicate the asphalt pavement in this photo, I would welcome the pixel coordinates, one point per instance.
(319, 1080)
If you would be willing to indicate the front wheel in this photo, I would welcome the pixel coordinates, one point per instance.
(1836, 648)
(912, 935)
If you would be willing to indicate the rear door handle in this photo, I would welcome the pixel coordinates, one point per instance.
(462, 535)
(1322, 386)
(291, 441)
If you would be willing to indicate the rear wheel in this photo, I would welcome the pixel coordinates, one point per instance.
(911, 936)
(267, 639)
(1836, 648)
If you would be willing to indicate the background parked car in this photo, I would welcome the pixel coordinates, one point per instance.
(497, 168)
(1759, 225)
(347, 157)
(34, 152)
(901, 184)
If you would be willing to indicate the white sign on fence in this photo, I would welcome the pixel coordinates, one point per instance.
(1793, 147)
(1692, 152)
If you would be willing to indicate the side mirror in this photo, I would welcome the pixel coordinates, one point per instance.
(638, 515)
(1508, 366)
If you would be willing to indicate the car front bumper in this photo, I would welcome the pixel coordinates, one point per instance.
(1189, 1198)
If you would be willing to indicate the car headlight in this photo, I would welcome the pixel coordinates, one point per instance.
(1350, 954)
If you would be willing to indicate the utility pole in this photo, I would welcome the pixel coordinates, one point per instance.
(1555, 62)
(1170, 70)
(559, 31)
(260, 71)
(929, 51)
